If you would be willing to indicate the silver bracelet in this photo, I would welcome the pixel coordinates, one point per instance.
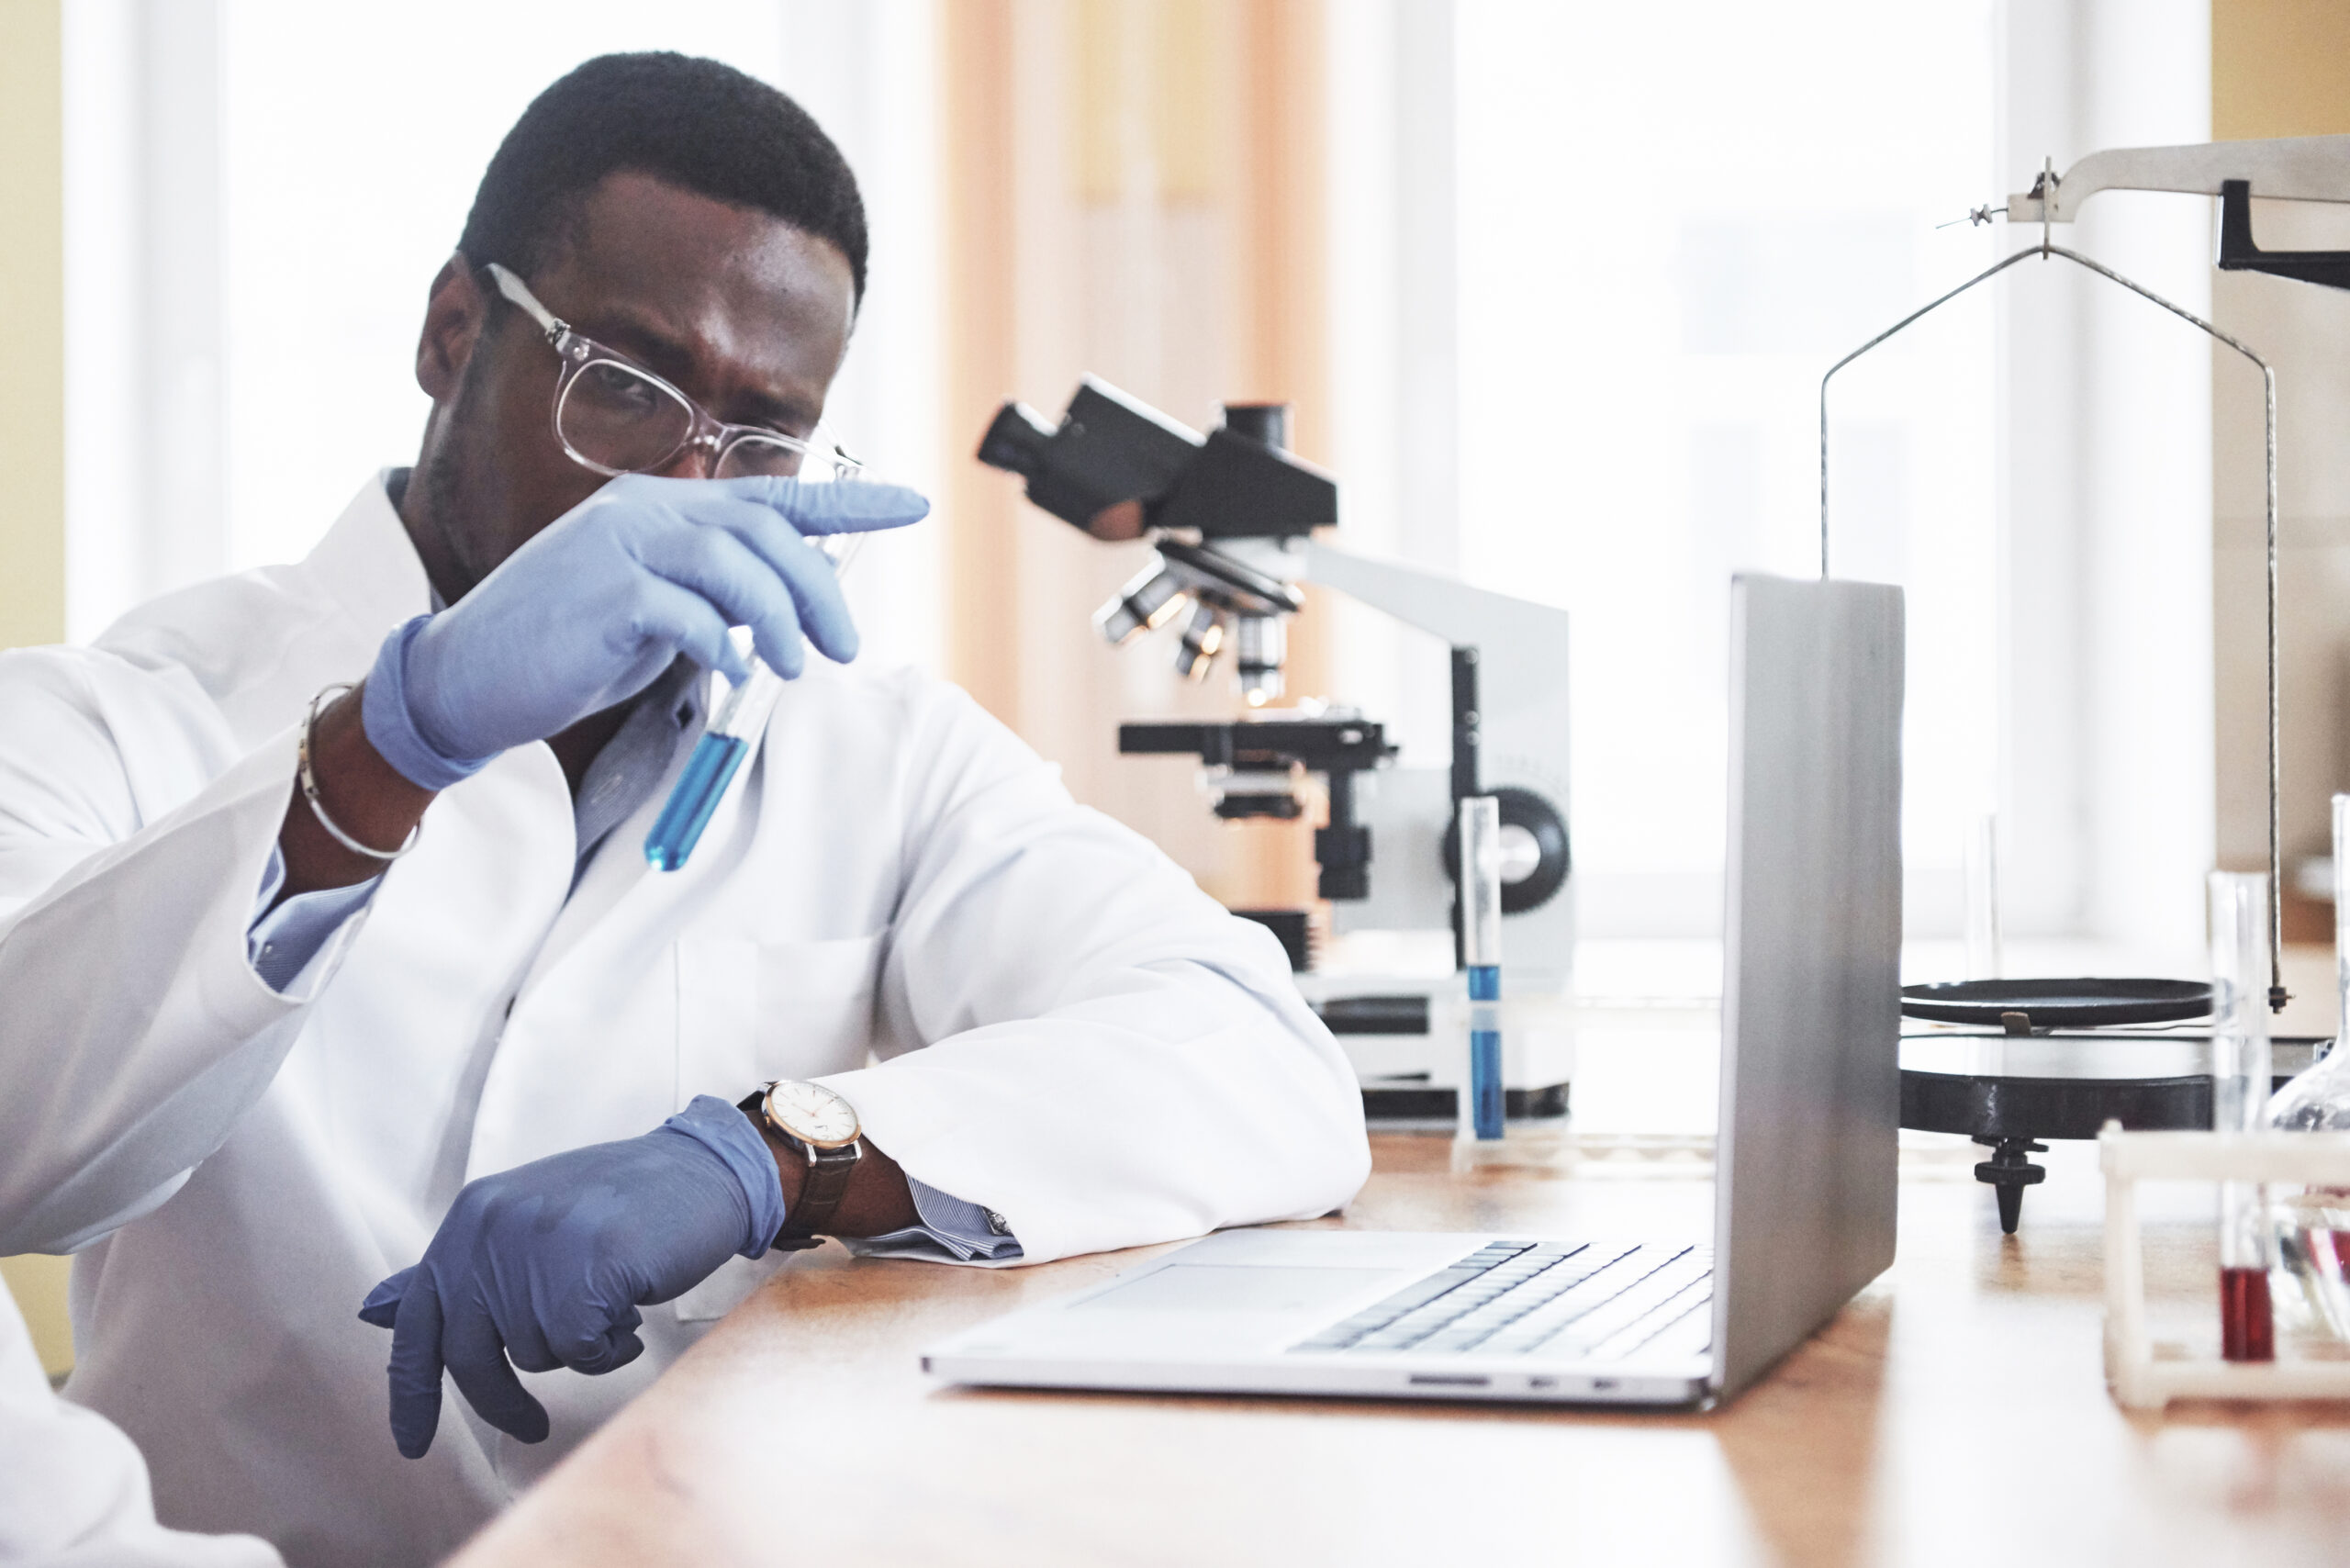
(310, 787)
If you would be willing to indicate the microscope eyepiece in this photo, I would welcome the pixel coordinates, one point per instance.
(1016, 441)
(1267, 423)
(1118, 468)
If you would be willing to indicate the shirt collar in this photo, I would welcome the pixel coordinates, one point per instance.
(367, 564)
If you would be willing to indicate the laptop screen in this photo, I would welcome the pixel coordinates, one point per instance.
(1811, 949)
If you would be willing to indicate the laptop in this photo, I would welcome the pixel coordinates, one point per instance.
(1804, 1157)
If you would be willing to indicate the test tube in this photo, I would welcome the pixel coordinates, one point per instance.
(1480, 955)
(2240, 1088)
(1983, 957)
(725, 741)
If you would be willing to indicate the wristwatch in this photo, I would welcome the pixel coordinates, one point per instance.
(811, 1120)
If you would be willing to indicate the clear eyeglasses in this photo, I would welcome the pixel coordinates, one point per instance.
(617, 417)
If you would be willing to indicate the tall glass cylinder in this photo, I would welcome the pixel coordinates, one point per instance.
(2240, 1081)
(1483, 1099)
(1982, 956)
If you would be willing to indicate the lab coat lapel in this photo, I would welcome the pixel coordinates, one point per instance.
(595, 1020)
(619, 869)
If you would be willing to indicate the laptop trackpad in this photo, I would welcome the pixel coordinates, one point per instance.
(1214, 1287)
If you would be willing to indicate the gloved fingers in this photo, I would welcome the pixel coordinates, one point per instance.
(526, 1341)
(852, 506)
(415, 1368)
(807, 573)
(687, 622)
(774, 598)
(477, 1359)
(593, 1343)
(623, 1347)
(383, 1303)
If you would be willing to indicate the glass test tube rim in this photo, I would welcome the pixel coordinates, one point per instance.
(727, 717)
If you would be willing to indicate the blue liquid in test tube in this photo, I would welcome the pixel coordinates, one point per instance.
(1485, 1049)
(719, 755)
(707, 772)
(1481, 954)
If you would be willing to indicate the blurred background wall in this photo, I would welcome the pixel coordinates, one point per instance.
(1134, 188)
(32, 333)
(32, 436)
(2282, 68)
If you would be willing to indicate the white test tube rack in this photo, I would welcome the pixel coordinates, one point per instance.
(2146, 1375)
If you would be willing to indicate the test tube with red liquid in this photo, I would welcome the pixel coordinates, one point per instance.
(2240, 1088)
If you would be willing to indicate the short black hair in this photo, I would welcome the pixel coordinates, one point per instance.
(697, 124)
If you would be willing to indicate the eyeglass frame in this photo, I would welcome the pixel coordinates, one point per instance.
(577, 350)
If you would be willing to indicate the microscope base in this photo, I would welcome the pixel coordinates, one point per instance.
(1408, 1042)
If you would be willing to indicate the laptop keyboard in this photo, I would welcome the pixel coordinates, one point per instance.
(1562, 1299)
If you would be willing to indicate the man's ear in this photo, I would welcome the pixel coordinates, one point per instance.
(454, 315)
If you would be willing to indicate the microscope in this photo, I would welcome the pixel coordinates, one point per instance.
(1231, 516)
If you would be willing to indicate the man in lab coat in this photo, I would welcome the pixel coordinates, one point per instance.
(313, 996)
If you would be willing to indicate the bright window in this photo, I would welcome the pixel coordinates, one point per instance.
(1672, 220)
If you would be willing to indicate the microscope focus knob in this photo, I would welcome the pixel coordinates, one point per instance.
(1537, 855)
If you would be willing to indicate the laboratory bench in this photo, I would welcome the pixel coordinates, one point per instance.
(1955, 1412)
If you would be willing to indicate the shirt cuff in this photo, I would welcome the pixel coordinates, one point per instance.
(280, 942)
(949, 1228)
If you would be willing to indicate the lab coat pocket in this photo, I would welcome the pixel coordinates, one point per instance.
(750, 1011)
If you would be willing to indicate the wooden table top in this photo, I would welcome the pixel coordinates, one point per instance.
(1957, 1412)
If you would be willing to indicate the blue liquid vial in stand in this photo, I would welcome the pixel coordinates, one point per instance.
(719, 755)
(1481, 953)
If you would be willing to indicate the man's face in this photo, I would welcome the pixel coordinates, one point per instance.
(745, 313)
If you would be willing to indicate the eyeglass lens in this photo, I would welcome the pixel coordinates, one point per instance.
(618, 419)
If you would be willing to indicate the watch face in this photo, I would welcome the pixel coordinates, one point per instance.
(812, 1113)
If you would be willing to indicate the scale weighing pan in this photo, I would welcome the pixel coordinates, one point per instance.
(2056, 1003)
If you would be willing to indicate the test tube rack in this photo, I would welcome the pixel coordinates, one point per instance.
(2145, 1376)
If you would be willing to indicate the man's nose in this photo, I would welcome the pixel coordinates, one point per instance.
(698, 459)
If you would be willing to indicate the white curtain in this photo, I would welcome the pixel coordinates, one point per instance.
(2106, 634)
(1589, 266)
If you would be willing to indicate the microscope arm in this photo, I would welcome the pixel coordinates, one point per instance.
(1442, 606)
(1509, 660)
(2292, 168)
(1522, 647)
(1509, 732)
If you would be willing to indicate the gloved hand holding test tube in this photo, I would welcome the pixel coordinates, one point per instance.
(719, 755)
(595, 606)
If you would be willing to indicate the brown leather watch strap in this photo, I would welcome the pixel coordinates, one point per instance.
(829, 1171)
(827, 1183)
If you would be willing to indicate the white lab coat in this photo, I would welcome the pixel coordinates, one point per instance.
(1067, 1030)
(72, 1492)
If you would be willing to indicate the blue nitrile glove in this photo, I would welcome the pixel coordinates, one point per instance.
(547, 1263)
(596, 606)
